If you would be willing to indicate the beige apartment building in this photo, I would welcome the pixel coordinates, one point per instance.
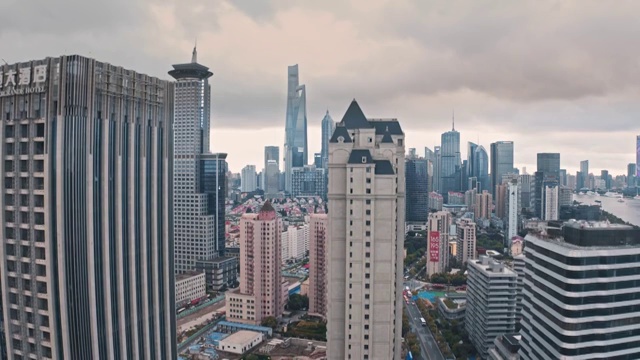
(366, 237)
(438, 242)
(466, 248)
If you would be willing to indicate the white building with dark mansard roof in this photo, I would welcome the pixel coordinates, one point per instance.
(365, 237)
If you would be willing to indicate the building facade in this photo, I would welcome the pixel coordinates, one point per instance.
(366, 237)
(318, 264)
(501, 161)
(295, 242)
(549, 164)
(513, 192)
(190, 286)
(295, 143)
(199, 177)
(87, 253)
(491, 303)
(551, 204)
(417, 179)
(260, 293)
(308, 181)
(483, 205)
(328, 125)
(466, 240)
(579, 299)
(249, 179)
(450, 161)
(438, 228)
(271, 179)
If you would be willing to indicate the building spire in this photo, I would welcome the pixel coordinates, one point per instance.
(194, 55)
(453, 120)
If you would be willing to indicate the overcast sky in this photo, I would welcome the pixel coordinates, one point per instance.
(553, 76)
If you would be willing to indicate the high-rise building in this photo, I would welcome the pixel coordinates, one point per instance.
(563, 177)
(501, 200)
(551, 200)
(604, 175)
(466, 238)
(271, 153)
(501, 161)
(366, 237)
(438, 242)
(417, 179)
(437, 170)
(260, 293)
(565, 196)
(318, 264)
(491, 302)
(450, 160)
(631, 178)
(435, 201)
(481, 168)
(191, 128)
(549, 165)
(328, 125)
(579, 299)
(87, 235)
(249, 179)
(518, 268)
(483, 205)
(429, 154)
(527, 192)
(513, 192)
(308, 181)
(295, 143)
(295, 242)
(271, 179)
(584, 172)
(637, 157)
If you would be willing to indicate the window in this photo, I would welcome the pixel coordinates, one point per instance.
(368, 223)
(368, 244)
(400, 142)
(368, 212)
(369, 191)
(368, 180)
(368, 202)
(364, 159)
(367, 233)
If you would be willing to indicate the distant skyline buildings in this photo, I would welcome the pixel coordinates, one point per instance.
(327, 125)
(449, 160)
(502, 153)
(295, 144)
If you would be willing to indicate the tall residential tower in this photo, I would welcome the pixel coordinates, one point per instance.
(87, 250)
(366, 237)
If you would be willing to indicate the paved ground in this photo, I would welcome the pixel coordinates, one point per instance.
(200, 316)
(428, 344)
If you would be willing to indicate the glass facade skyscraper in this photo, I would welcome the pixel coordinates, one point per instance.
(295, 143)
(450, 161)
(501, 161)
(417, 190)
(328, 125)
(478, 165)
(87, 253)
(549, 164)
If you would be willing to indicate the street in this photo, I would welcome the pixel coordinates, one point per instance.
(428, 344)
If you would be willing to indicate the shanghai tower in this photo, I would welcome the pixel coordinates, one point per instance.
(295, 143)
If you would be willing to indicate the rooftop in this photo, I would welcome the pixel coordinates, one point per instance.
(589, 234)
(242, 336)
(188, 275)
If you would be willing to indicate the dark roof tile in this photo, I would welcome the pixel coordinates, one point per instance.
(340, 131)
(384, 167)
(358, 155)
(354, 117)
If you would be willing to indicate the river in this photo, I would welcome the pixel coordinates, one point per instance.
(629, 210)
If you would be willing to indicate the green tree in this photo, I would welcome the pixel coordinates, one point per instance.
(298, 302)
(270, 321)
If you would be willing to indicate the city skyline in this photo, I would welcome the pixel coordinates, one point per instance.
(483, 75)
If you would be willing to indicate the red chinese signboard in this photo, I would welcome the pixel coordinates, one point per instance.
(434, 246)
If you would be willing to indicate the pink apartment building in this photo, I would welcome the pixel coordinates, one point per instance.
(318, 264)
(260, 293)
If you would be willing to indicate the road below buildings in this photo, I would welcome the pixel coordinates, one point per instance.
(428, 344)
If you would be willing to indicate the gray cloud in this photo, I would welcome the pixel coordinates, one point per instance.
(512, 70)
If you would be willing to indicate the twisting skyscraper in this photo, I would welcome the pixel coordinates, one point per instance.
(295, 143)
